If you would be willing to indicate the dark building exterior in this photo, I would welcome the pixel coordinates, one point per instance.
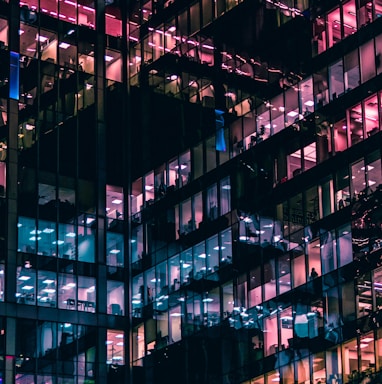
(190, 191)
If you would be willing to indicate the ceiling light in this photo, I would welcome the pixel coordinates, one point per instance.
(58, 242)
(90, 220)
(42, 39)
(186, 265)
(34, 238)
(70, 234)
(116, 201)
(172, 29)
(64, 45)
(202, 255)
(175, 314)
(115, 251)
(27, 287)
(34, 232)
(369, 168)
(149, 187)
(49, 290)
(119, 336)
(24, 278)
(309, 103)
(208, 300)
(48, 281)
(367, 340)
(292, 114)
(108, 58)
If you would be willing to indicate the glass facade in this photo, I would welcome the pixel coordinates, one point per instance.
(190, 192)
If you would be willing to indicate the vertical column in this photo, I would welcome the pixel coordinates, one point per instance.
(12, 166)
(99, 56)
(126, 137)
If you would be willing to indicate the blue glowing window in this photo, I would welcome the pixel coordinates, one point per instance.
(14, 75)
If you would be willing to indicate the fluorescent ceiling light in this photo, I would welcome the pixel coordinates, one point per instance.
(49, 290)
(64, 45)
(292, 114)
(309, 103)
(369, 168)
(108, 58)
(34, 232)
(27, 287)
(24, 278)
(89, 220)
(115, 251)
(34, 238)
(48, 281)
(70, 234)
(41, 39)
(116, 201)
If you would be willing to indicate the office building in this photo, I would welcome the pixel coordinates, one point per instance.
(190, 191)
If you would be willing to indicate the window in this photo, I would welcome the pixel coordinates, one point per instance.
(336, 80)
(334, 27)
(86, 292)
(115, 249)
(114, 205)
(115, 347)
(225, 196)
(46, 289)
(371, 118)
(351, 70)
(200, 256)
(86, 242)
(113, 23)
(314, 259)
(113, 64)
(115, 297)
(213, 254)
(367, 57)
(26, 285)
(212, 203)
